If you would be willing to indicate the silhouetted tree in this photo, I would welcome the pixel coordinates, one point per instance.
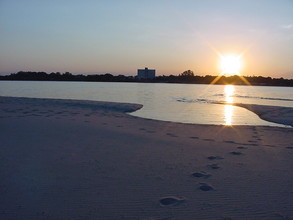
(187, 73)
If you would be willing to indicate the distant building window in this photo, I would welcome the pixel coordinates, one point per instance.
(146, 73)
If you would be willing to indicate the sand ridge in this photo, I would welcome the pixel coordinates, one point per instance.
(277, 114)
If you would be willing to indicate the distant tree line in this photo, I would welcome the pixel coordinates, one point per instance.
(56, 76)
(185, 77)
(189, 77)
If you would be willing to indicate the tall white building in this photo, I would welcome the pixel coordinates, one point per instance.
(146, 73)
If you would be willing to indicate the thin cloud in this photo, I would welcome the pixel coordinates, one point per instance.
(287, 26)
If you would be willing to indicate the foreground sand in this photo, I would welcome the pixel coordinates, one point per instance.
(90, 160)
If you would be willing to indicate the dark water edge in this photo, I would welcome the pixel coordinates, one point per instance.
(181, 78)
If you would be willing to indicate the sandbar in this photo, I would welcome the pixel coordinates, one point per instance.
(277, 114)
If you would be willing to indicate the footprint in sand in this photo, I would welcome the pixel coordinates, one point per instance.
(236, 153)
(252, 144)
(208, 139)
(201, 175)
(171, 135)
(230, 142)
(213, 166)
(242, 148)
(206, 187)
(215, 158)
(171, 200)
(269, 145)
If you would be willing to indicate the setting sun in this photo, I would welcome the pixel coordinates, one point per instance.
(231, 64)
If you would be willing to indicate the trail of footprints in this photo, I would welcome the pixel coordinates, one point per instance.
(215, 166)
(48, 113)
(204, 175)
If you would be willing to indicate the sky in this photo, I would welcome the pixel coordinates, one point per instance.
(171, 36)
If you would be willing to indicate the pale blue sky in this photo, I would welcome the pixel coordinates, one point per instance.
(171, 36)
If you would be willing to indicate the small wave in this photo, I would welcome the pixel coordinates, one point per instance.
(266, 98)
(256, 97)
(219, 94)
(193, 100)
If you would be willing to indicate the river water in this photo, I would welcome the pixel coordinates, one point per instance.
(188, 103)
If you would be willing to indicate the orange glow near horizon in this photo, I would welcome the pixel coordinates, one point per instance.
(230, 65)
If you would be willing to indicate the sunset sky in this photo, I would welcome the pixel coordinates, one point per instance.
(118, 37)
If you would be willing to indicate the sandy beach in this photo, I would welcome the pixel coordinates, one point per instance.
(67, 159)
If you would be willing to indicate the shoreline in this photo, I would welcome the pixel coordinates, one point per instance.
(197, 80)
(276, 114)
(68, 159)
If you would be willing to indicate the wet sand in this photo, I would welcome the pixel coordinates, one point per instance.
(277, 114)
(66, 159)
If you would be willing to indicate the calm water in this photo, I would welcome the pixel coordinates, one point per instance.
(169, 102)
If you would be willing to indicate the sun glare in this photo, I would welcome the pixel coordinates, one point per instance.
(229, 92)
(229, 99)
(231, 65)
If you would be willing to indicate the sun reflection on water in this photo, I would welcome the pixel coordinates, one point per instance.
(229, 99)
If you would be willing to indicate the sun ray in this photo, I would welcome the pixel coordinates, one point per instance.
(216, 80)
(245, 80)
(217, 52)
